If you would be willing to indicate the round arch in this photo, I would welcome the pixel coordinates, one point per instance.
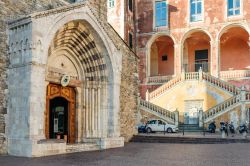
(99, 62)
(149, 45)
(194, 30)
(186, 65)
(229, 26)
(233, 40)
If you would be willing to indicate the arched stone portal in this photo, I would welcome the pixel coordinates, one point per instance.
(77, 51)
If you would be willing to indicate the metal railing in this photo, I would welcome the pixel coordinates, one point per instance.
(195, 67)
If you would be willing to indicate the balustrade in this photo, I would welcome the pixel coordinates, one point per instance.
(222, 107)
(234, 74)
(157, 109)
(159, 79)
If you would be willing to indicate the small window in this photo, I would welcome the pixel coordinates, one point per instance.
(161, 13)
(164, 58)
(130, 5)
(196, 10)
(130, 40)
(233, 7)
(111, 3)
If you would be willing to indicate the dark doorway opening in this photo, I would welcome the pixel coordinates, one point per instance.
(201, 60)
(59, 108)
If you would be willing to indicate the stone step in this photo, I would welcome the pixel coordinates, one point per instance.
(186, 140)
(81, 147)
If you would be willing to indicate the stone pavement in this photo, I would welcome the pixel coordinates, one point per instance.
(146, 154)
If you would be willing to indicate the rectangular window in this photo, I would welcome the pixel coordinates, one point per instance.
(111, 3)
(201, 60)
(196, 10)
(130, 5)
(161, 13)
(130, 40)
(233, 7)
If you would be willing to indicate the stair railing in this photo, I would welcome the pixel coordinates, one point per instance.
(165, 87)
(221, 107)
(156, 109)
(220, 83)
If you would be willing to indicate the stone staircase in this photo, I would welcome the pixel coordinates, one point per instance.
(193, 76)
(170, 117)
(190, 128)
(81, 147)
(235, 101)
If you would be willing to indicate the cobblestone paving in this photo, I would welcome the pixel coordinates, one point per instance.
(146, 154)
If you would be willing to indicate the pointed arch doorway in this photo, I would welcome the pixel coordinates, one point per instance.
(60, 113)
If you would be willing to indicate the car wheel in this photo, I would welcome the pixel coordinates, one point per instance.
(169, 130)
(149, 130)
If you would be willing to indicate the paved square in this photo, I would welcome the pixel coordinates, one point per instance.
(147, 154)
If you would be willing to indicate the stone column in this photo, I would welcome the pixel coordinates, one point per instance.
(92, 111)
(178, 59)
(104, 113)
(201, 118)
(243, 105)
(87, 110)
(176, 114)
(215, 58)
(99, 110)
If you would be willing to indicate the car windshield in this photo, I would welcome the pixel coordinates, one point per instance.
(152, 122)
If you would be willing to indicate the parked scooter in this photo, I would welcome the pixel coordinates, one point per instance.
(224, 127)
(231, 128)
(212, 127)
(243, 128)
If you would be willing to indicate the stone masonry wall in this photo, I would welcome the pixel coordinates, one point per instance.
(11, 9)
(129, 96)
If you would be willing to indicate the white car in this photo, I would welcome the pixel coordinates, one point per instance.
(156, 125)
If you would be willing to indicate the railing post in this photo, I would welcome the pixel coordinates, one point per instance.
(200, 74)
(200, 118)
(243, 116)
(147, 95)
(176, 117)
(243, 94)
(183, 75)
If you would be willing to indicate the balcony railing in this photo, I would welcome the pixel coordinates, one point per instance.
(195, 67)
(231, 74)
(159, 79)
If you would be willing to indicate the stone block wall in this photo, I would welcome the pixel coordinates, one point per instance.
(11, 9)
(129, 96)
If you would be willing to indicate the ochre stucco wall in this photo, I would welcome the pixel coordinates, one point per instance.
(191, 90)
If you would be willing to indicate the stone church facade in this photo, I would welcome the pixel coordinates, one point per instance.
(68, 82)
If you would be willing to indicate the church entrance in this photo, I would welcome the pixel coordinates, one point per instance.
(58, 118)
(60, 113)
